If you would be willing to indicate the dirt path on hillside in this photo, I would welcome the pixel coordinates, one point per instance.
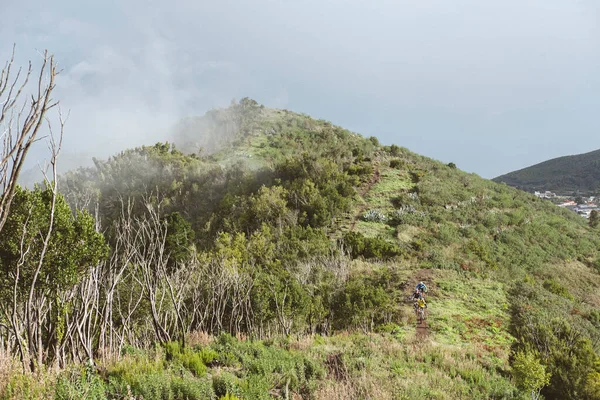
(422, 275)
(425, 276)
(422, 330)
(368, 186)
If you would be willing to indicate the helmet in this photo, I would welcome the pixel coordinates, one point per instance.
(421, 283)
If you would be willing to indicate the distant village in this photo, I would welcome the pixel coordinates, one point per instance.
(579, 204)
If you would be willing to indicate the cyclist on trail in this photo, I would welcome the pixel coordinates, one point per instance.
(415, 298)
(420, 307)
(416, 295)
(421, 287)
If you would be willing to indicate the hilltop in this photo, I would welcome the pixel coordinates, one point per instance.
(566, 175)
(283, 249)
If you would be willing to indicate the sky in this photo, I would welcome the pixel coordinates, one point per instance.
(493, 86)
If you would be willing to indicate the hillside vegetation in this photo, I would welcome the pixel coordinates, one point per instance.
(277, 263)
(565, 175)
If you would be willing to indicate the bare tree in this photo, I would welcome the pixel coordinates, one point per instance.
(21, 121)
(27, 315)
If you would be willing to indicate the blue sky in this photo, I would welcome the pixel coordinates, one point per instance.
(492, 86)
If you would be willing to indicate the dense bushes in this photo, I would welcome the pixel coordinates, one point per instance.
(368, 300)
(80, 382)
(397, 163)
(543, 321)
(156, 380)
(361, 246)
(361, 170)
(146, 375)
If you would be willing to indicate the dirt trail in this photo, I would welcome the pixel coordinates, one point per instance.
(422, 330)
(425, 276)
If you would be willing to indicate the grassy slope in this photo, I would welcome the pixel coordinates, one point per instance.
(469, 239)
(469, 314)
(563, 174)
(274, 136)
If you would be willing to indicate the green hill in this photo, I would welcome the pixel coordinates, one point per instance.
(278, 263)
(565, 175)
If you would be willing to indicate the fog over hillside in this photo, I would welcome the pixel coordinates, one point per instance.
(492, 86)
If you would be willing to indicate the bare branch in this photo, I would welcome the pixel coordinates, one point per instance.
(20, 125)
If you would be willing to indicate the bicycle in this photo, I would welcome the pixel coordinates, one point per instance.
(420, 314)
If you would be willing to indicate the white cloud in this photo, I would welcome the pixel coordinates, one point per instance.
(412, 72)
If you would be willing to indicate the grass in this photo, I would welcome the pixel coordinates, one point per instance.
(15, 385)
(385, 366)
(392, 183)
(470, 311)
(407, 233)
(374, 229)
(580, 280)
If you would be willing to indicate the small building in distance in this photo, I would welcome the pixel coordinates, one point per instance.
(568, 204)
(546, 195)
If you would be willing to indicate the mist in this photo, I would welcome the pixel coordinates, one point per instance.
(491, 86)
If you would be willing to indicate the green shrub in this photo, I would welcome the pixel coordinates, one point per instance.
(193, 362)
(397, 163)
(257, 387)
(407, 215)
(418, 245)
(229, 396)
(594, 318)
(596, 265)
(167, 385)
(129, 350)
(359, 245)
(313, 370)
(228, 359)
(208, 355)
(415, 176)
(389, 327)
(190, 388)
(79, 382)
(547, 326)
(226, 383)
(25, 386)
(447, 233)
(367, 300)
(267, 365)
(172, 350)
(553, 286)
(155, 385)
(394, 150)
(159, 384)
(362, 169)
(529, 372)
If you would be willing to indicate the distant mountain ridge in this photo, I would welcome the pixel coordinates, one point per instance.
(575, 173)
